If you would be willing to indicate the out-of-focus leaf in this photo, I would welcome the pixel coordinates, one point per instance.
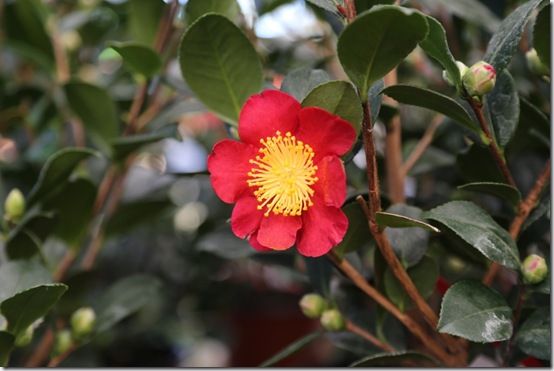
(487, 171)
(505, 41)
(220, 65)
(144, 19)
(319, 272)
(291, 348)
(139, 58)
(194, 9)
(541, 35)
(541, 209)
(478, 229)
(358, 233)
(533, 337)
(472, 11)
(432, 159)
(22, 245)
(20, 275)
(124, 298)
(432, 100)
(300, 82)
(475, 312)
(366, 60)
(339, 98)
(124, 146)
(223, 243)
(24, 308)
(131, 214)
(386, 219)
(397, 359)
(7, 341)
(94, 106)
(36, 222)
(504, 191)
(96, 25)
(326, 4)
(503, 107)
(56, 170)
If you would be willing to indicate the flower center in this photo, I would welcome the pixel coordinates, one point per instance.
(283, 174)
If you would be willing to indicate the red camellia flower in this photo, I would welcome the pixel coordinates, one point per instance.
(285, 175)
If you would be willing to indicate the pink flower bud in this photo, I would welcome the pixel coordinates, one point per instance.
(479, 79)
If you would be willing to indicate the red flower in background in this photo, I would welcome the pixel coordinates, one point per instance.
(285, 175)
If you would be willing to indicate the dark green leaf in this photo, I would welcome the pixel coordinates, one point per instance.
(473, 11)
(124, 298)
(363, 5)
(138, 58)
(504, 191)
(375, 99)
(357, 234)
(131, 214)
(367, 59)
(300, 82)
(505, 41)
(20, 275)
(533, 337)
(503, 107)
(486, 171)
(144, 19)
(291, 348)
(385, 219)
(26, 307)
(94, 106)
(319, 272)
(197, 8)
(7, 341)
(432, 100)
(540, 210)
(220, 65)
(436, 45)
(124, 146)
(541, 35)
(397, 359)
(478, 229)
(22, 245)
(475, 312)
(57, 170)
(339, 98)
(424, 275)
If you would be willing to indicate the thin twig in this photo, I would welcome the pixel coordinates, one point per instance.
(54, 362)
(350, 326)
(422, 145)
(42, 350)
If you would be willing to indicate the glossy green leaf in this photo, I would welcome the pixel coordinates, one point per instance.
(475, 312)
(478, 229)
(122, 147)
(432, 100)
(26, 307)
(504, 191)
(7, 341)
(144, 19)
(436, 46)
(56, 170)
(397, 359)
(424, 275)
(124, 298)
(339, 98)
(20, 275)
(505, 41)
(541, 35)
(22, 245)
(138, 58)
(291, 348)
(220, 65)
(375, 99)
(533, 337)
(367, 59)
(503, 107)
(386, 219)
(194, 9)
(94, 106)
(357, 234)
(129, 215)
(299, 83)
(472, 11)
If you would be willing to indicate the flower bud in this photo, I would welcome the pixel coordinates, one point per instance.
(14, 206)
(83, 321)
(461, 67)
(62, 343)
(534, 269)
(535, 64)
(312, 305)
(479, 79)
(332, 320)
(24, 338)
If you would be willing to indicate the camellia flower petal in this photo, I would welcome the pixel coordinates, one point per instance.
(285, 175)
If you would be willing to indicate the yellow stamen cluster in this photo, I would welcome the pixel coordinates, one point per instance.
(283, 174)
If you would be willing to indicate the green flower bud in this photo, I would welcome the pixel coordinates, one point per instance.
(14, 206)
(62, 343)
(446, 76)
(534, 269)
(479, 79)
(82, 322)
(313, 305)
(24, 338)
(332, 320)
(535, 64)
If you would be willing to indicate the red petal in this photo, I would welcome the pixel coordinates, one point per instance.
(253, 240)
(323, 228)
(246, 217)
(228, 166)
(266, 113)
(331, 184)
(326, 133)
(278, 232)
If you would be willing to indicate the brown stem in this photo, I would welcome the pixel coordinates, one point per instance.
(371, 160)
(369, 337)
(54, 362)
(64, 265)
(422, 145)
(42, 350)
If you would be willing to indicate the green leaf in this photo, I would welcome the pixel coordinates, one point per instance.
(22, 245)
(533, 337)
(365, 49)
(194, 9)
(144, 19)
(20, 275)
(503, 107)
(138, 58)
(124, 298)
(541, 35)
(357, 234)
(131, 214)
(432, 159)
(328, 5)
(424, 275)
(220, 65)
(94, 106)
(7, 341)
(385, 219)
(363, 5)
(319, 272)
(224, 244)
(26, 307)
(432, 100)
(396, 359)
(475, 312)
(300, 82)
(504, 191)
(375, 99)
(122, 147)
(291, 348)
(487, 171)
(478, 229)
(505, 41)
(472, 11)
(436, 46)
(57, 170)
(339, 98)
